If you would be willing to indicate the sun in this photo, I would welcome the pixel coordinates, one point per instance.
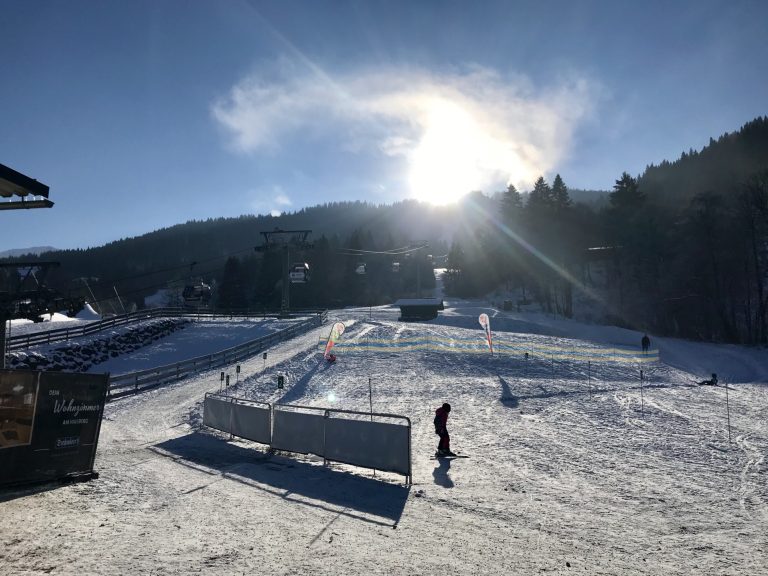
(462, 151)
(445, 165)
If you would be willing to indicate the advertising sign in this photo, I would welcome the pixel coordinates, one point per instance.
(336, 331)
(49, 424)
(485, 322)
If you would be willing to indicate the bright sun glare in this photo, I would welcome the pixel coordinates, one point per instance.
(444, 166)
(459, 154)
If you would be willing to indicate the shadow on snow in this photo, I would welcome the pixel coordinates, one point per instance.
(440, 473)
(290, 479)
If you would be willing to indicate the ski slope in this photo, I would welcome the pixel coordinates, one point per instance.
(574, 468)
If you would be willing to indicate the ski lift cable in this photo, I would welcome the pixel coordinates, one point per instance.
(189, 265)
(173, 268)
(393, 252)
(154, 285)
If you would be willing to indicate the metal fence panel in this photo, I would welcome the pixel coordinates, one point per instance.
(217, 413)
(252, 422)
(298, 432)
(379, 445)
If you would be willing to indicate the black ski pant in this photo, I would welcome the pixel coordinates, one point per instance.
(445, 440)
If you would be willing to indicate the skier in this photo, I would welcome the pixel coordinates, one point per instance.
(441, 420)
(646, 343)
(712, 382)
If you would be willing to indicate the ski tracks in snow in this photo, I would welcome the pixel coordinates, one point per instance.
(567, 465)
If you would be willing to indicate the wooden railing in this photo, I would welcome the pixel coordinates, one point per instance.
(22, 341)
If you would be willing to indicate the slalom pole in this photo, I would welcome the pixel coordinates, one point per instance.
(370, 397)
(490, 339)
(370, 405)
(642, 402)
(552, 357)
(728, 411)
(525, 370)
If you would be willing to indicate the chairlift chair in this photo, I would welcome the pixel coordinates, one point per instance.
(299, 273)
(196, 295)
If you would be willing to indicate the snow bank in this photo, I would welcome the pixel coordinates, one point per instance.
(88, 313)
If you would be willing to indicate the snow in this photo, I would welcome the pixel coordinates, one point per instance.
(158, 299)
(22, 325)
(45, 324)
(88, 313)
(573, 468)
(199, 338)
(49, 322)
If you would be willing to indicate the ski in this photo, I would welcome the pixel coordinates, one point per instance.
(448, 456)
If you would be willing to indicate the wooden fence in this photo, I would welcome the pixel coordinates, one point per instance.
(22, 341)
(134, 381)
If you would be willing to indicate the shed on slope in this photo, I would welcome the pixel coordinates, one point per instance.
(419, 308)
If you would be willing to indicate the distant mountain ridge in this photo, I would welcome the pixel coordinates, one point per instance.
(33, 250)
(594, 198)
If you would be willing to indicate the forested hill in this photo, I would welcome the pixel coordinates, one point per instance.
(683, 249)
(199, 249)
(729, 160)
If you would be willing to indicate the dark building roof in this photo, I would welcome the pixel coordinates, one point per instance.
(419, 308)
(14, 183)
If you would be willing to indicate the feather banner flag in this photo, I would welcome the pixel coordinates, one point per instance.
(485, 322)
(336, 331)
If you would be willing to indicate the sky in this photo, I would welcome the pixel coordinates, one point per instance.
(142, 114)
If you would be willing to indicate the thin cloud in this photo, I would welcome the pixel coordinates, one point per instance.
(504, 128)
(272, 201)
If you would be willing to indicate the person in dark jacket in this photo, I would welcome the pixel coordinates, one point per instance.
(441, 421)
(646, 343)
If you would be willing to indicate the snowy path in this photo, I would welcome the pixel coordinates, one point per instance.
(562, 471)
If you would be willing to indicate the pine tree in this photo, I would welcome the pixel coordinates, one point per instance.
(511, 204)
(560, 198)
(626, 195)
(540, 199)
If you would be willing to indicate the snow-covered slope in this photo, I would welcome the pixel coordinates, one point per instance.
(574, 468)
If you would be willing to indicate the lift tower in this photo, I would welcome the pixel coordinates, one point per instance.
(284, 241)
